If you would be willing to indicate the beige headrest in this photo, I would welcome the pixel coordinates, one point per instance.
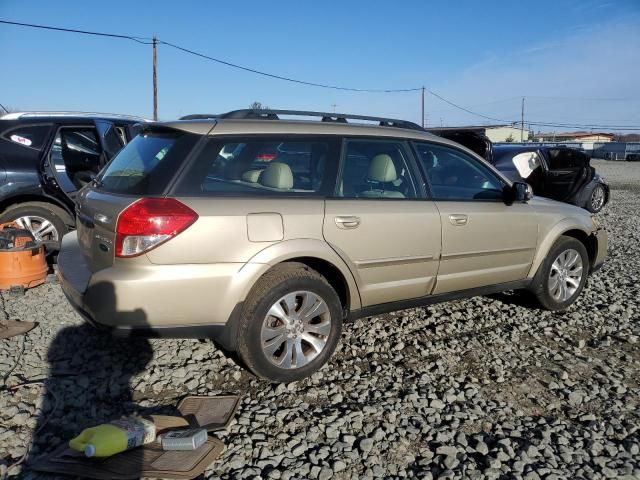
(382, 169)
(251, 176)
(277, 175)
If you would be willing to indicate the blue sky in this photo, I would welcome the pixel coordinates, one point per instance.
(576, 61)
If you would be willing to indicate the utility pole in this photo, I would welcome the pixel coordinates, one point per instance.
(334, 107)
(522, 123)
(422, 117)
(155, 80)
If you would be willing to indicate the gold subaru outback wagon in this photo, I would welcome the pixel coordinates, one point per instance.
(266, 233)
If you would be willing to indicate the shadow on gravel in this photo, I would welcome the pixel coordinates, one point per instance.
(521, 299)
(88, 381)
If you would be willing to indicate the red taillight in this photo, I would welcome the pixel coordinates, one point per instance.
(266, 157)
(149, 222)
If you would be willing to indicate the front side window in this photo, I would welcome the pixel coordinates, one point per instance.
(454, 175)
(376, 169)
(33, 136)
(269, 166)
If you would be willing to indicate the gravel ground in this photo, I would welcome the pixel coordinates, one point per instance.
(480, 388)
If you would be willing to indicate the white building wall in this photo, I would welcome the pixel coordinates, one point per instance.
(500, 134)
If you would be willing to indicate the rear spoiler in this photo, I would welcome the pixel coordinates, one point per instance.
(474, 139)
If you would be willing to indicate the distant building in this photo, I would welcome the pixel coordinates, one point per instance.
(498, 133)
(599, 137)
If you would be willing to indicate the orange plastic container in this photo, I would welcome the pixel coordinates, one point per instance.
(22, 265)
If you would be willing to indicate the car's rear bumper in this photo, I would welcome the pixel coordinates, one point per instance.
(601, 245)
(171, 301)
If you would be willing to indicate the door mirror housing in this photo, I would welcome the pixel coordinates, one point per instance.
(519, 192)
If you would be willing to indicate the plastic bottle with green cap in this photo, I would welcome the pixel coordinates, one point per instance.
(114, 437)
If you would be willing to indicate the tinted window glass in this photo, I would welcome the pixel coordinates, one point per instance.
(264, 166)
(75, 155)
(376, 169)
(147, 164)
(563, 158)
(453, 175)
(29, 136)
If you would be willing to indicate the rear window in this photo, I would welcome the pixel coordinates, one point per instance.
(33, 136)
(147, 164)
(270, 166)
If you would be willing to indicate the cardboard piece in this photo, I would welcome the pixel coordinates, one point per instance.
(212, 413)
(11, 328)
(147, 461)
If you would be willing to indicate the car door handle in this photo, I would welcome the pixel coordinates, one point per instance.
(347, 221)
(458, 219)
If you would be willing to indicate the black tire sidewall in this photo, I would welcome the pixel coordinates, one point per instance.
(257, 361)
(542, 290)
(34, 210)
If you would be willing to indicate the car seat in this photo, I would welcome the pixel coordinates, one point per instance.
(277, 175)
(382, 172)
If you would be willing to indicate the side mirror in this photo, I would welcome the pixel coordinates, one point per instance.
(518, 192)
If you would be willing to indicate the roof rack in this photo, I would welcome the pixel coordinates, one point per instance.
(250, 114)
(17, 115)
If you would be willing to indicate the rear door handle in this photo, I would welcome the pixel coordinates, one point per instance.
(346, 222)
(458, 219)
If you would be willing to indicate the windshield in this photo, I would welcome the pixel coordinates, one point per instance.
(147, 164)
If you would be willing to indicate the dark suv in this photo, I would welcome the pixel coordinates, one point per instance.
(45, 158)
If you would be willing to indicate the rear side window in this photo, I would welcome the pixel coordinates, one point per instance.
(376, 169)
(33, 136)
(563, 158)
(269, 166)
(146, 165)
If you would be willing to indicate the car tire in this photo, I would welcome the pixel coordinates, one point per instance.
(597, 199)
(563, 274)
(44, 220)
(273, 335)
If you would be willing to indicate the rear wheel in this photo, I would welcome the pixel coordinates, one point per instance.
(562, 275)
(596, 199)
(290, 324)
(43, 220)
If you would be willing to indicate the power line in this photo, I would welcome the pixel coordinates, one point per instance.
(151, 41)
(85, 32)
(288, 79)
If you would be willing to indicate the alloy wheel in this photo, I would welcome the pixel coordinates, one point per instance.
(565, 275)
(597, 198)
(296, 329)
(41, 228)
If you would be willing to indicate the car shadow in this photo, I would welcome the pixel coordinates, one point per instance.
(518, 298)
(89, 381)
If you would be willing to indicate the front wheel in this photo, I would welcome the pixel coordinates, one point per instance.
(290, 324)
(562, 275)
(596, 199)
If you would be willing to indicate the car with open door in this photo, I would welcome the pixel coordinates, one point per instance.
(561, 173)
(46, 158)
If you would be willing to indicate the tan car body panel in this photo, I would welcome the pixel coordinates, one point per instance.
(555, 219)
(495, 245)
(400, 249)
(385, 270)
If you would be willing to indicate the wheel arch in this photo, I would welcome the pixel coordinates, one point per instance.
(319, 256)
(18, 200)
(569, 228)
